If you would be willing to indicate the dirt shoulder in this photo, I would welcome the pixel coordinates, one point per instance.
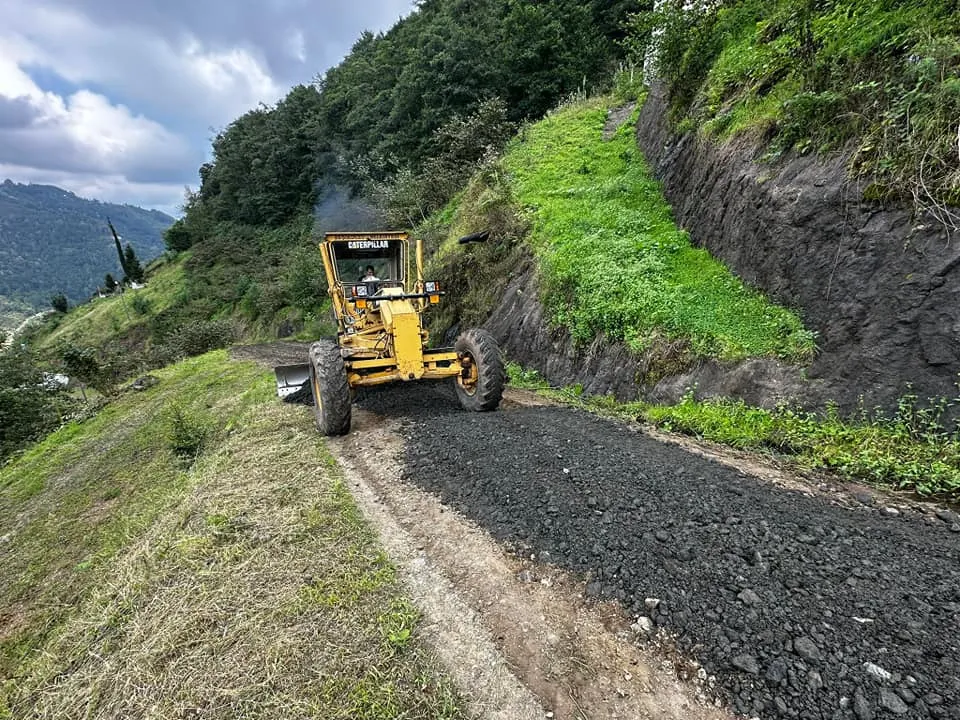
(271, 355)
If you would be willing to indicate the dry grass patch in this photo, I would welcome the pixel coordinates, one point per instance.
(259, 593)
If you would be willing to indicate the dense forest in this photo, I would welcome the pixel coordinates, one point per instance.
(52, 242)
(391, 106)
(401, 122)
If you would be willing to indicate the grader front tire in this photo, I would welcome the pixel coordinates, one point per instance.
(331, 393)
(482, 377)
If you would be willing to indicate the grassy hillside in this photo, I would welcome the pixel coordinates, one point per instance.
(195, 542)
(612, 260)
(884, 76)
(103, 321)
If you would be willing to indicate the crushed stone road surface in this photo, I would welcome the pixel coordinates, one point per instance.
(797, 606)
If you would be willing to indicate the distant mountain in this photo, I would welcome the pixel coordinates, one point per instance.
(52, 241)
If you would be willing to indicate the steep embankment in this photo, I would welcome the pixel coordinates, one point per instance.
(191, 551)
(589, 280)
(880, 287)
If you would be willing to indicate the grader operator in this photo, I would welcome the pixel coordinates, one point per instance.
(378, 307)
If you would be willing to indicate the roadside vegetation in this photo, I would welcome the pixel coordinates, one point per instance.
(818, 76)
(612, 258)
(192, 551)
(612, 263)
(910, 450)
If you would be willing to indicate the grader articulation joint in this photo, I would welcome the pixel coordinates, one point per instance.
(380, 332)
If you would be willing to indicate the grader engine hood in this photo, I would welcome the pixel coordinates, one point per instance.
(402, 321)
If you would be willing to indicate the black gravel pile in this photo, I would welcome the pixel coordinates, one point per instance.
(799, 608)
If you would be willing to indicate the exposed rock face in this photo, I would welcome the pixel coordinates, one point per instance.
(880, 287)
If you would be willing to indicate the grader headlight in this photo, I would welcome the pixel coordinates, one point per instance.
(432, 288)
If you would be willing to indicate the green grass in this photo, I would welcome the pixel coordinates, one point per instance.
(234, 577)
(880, 77)
(909, 451)
(100, 321)
(614, 261)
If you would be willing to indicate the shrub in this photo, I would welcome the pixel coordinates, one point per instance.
(140, 304)
(199, 337)
(59, 303)
(187, 431)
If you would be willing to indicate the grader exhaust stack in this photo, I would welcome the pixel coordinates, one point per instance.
(378, 304)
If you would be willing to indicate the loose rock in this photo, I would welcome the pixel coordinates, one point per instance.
(747, 663)
(861, 707)
(904, 573)
(892, 702)
(807, 649)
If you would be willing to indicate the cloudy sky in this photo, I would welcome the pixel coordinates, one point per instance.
(118, 99)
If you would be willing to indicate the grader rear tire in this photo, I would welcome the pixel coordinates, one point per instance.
(331, 393)
(480, 383)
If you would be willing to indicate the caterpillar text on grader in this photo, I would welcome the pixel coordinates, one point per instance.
(380, 332)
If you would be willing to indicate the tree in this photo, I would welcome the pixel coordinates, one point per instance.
(109, 282)
(131, 266)
(178, 237)
(59, 303)
(116, 241)
(82, 363)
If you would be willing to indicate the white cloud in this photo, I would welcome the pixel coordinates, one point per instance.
(297, 45)
(183, 76)
(82, 131)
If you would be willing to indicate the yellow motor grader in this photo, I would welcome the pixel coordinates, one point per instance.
(380, 333)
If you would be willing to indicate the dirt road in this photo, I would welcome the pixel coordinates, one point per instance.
(795, 603)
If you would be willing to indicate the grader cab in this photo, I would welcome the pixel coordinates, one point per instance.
(379, 308)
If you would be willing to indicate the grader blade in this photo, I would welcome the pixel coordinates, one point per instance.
(291, 378)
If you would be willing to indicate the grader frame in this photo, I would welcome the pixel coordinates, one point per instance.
(381, 337)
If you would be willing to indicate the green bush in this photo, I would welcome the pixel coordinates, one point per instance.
(188, 431)
(59, 303)
(141, 305)
(199, 337)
